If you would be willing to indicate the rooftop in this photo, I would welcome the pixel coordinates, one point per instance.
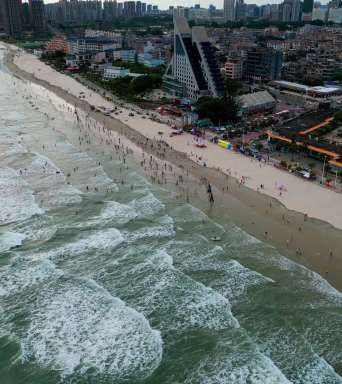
(256, 98)
(305, 88)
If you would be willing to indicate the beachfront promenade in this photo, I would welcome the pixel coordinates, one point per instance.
(296, 194)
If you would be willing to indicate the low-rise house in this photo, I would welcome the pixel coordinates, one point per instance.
(78, 59)
(319, 92)
(148, 60)
(115, 72)
(93, 44)
(58, 43)
(256, 103)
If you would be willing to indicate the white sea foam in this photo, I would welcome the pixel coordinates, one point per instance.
(50, 182)
(89, 172)
(253, 369)
(8, 147)
(89, 242)
(16, 198)
(306, 278)
(236, 279)
(147, 206)
(189, 214)
(114, 212)
(228, 277)
(159, 231)
(38, 228)
(23, 274)
(319, 372)
(78, 327)
(180, 302)
(10, 240)
(165, 220)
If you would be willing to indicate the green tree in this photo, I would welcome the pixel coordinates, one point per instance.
(232, 87)
(120, 86)
(338, 117)
(144, 83)
(218, 110)
(338, 76)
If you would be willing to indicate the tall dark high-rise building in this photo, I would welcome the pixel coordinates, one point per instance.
(1, 18)
(120, 9)
(229, 10)
(143, 8)
(109, 10)
(240, 10)
(26, 15)
(11, 11)
(308, 6)
(37, 15)
(307, 10)
(263, 64)
(129, 8)
(138, 8)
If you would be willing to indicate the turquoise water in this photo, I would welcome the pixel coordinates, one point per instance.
(121, 284)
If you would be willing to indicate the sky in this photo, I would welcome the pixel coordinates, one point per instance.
(164, 4)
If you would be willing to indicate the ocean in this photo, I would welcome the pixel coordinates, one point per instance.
(107, 278)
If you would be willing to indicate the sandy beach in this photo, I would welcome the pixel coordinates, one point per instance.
(277, 218)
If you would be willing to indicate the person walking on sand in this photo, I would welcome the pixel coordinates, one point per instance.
(211, 198)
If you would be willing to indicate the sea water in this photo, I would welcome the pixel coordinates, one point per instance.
(104, 282)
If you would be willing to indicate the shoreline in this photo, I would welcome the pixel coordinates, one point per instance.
(262, 216)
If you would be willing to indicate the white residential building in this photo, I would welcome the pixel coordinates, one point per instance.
(89, 45)
(335, 15)
(194, 64)
(320, 13)
(115, 72)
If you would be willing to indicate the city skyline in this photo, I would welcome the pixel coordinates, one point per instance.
(164, 4)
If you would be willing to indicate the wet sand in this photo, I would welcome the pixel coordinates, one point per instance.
(311, 242)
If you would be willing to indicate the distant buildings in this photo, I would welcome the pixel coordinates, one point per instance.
(233, 69)
(11, 11)
(17, 15)
(290, 11)
(84, 11)
(229, 10)
(325, 13)
(307, 10)
(320, 13)
(90, 44)
(263, 64)
(129, 9)
(37, 15)
(193, 67)
(110, 10)
(335, 15)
